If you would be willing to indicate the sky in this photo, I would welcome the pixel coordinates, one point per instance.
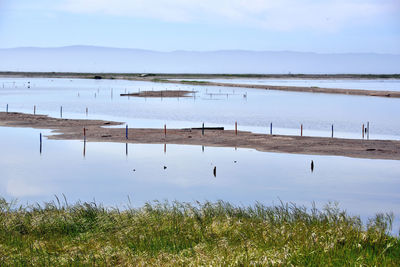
(322, 26)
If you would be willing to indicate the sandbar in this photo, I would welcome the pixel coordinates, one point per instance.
(72, 129)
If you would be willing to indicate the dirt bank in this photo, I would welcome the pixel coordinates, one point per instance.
(69, 129)
(161, 94)
(359, 92)
(166, 78)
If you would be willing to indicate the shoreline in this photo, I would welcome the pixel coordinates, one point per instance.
(161, 94)
(72, 129)
(166, 78)
(301, 89)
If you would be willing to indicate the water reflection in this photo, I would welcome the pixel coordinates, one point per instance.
(285, 109)
(107, 174)
(369, 84)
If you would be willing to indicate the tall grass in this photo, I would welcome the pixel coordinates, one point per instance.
(163, 233)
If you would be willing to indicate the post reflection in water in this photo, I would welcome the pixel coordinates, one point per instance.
(40, 149)
(84, 148)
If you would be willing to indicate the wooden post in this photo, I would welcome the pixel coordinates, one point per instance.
(202, 129)
(165, 130)
(270, 129)
(84, 134)
(363, 129)
(368, 130)
(301, 130)
(235, 127)
(126, 132)
(332, 130)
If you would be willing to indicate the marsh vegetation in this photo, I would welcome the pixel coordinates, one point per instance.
(171, 234)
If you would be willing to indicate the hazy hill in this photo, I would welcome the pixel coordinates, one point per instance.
(103, 59)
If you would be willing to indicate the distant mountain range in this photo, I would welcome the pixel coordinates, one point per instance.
(105, 59)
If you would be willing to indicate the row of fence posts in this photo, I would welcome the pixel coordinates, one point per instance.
(365, 130)
(61, 110)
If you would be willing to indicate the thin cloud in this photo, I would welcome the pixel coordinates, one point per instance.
(271, 14)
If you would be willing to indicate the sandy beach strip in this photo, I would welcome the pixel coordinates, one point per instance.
(358, 92)
(72, 129)
(180, 79)
(161, 93)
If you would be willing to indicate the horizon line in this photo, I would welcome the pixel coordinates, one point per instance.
(196, 51)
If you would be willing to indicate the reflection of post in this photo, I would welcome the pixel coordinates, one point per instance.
(61, 112)
(84, 148)
(367, 130)
(40, 149)
(7, 108)
(34, 110)
(165, 148)
(301, 130)
(87, 111)
(270, 129)
(332, 130)
(126, 149)
(202, 148)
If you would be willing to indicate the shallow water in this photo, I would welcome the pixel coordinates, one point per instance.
(215, 106)
(107, 173)
(362, 84)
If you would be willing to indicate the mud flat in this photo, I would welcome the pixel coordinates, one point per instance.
(161, 94)
(180, 79)
(360, 92)
(71, 129)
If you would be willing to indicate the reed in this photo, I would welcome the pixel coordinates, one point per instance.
(171, 234)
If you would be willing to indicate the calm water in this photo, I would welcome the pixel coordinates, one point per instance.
(375, 84)
(109, 174)
(253, 109)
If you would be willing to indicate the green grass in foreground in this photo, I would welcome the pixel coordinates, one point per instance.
(171, 234)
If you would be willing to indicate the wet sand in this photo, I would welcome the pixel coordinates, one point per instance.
(166, 78)
(161, 94)
(359, 92)
(71, 129)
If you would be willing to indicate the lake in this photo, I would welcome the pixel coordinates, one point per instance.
(110, 173)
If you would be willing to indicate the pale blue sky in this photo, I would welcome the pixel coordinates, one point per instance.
(299, 25)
